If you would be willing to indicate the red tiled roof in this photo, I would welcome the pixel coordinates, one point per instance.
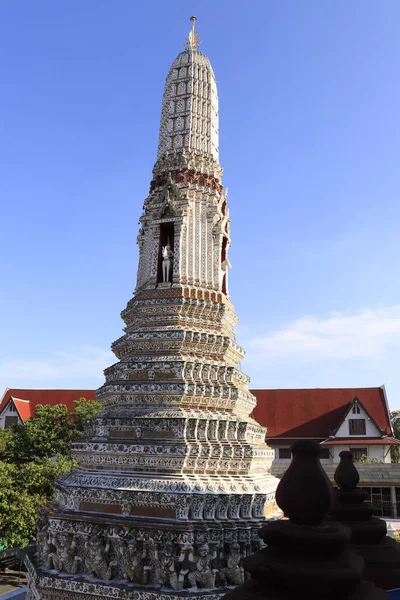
(315, 413)
(385, 441)
(35, 397)
(23, 408)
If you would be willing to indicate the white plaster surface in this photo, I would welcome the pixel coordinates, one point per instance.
(189, 114)
(370, 428)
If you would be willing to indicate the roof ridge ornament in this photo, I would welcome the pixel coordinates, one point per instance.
(193, 40)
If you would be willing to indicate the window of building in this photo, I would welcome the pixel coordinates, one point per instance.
(325, 453)
(357, 427)
(10, 421)
(358, 453)
(356, 410)
(381, 499)
(285, 453)
(397, 490)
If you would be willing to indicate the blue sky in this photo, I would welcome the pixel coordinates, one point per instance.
(309, 140)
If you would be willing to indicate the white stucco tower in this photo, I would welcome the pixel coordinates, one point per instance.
(186, 204)
(172, 481)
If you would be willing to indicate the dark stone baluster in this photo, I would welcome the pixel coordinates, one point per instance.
(368, 533)
(306, 558)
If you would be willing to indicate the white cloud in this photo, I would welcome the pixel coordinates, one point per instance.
(366, 333)
(87, 362)
(340, 349)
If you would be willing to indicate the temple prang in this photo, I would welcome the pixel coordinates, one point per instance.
(172, 484)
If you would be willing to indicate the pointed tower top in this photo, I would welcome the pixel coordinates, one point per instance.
(189, 113)
(193, 40)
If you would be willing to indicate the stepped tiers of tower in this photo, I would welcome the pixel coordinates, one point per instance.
(172, 482)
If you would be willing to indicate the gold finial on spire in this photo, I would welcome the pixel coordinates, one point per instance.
(193, 40)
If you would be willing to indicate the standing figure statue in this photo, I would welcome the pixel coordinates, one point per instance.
(167, 256)
(163, 563)
(45, 549)
(130, 557)
(65, 557)
(201, 573)
(44, 539)
(97, 557)
(233, 573)
(167, 568)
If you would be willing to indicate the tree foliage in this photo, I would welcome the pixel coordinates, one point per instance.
(18, 509)
(395, 421)
(32, 456)
(363, 459)
(23, 489)
(49, 433)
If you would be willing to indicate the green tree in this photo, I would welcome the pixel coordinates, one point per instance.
(364, 460)
(18, 510)
(395, 421)
(23, 489)
(32, 456)
(3, 440)
(84, 411)
(49, 432)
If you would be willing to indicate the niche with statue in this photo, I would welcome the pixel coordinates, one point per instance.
(165, 254)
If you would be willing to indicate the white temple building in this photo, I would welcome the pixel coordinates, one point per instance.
(172, 484)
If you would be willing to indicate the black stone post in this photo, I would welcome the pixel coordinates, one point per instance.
(368, 533)
(306, 558)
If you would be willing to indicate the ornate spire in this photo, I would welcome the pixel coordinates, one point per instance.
(189, 114)
(193, 40)
(175, 458)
